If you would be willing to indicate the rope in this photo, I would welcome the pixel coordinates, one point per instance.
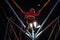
(44, 5)
(52, 31)
(48, 16)
(15, 14)
(47, 26)
(14, 31)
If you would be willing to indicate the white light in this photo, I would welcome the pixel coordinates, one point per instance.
(35, 24)
(38, 5)
(31, 25)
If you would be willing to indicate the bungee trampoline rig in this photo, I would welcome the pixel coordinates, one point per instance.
(31, 33)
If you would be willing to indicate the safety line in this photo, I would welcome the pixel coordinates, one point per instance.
(47, 27)
(52, 31)
(15, 13)
(19, 27)
(48, 16)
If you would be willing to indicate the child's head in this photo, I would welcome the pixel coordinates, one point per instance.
(32, 9)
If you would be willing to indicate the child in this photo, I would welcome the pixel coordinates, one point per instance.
(31, 14)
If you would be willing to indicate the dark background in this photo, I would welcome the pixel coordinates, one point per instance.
(26, 5)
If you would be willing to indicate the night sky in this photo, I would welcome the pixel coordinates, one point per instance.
(26, 5)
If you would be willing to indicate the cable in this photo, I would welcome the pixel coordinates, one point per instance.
(6, 31)
(9, 37)
(52, 31)
(58, 30)
(19, 27)
(14, 31)
(15, 13)
(47, 27)
(48, 16)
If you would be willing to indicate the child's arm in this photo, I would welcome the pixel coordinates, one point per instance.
(18, 6)
(44, 6)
